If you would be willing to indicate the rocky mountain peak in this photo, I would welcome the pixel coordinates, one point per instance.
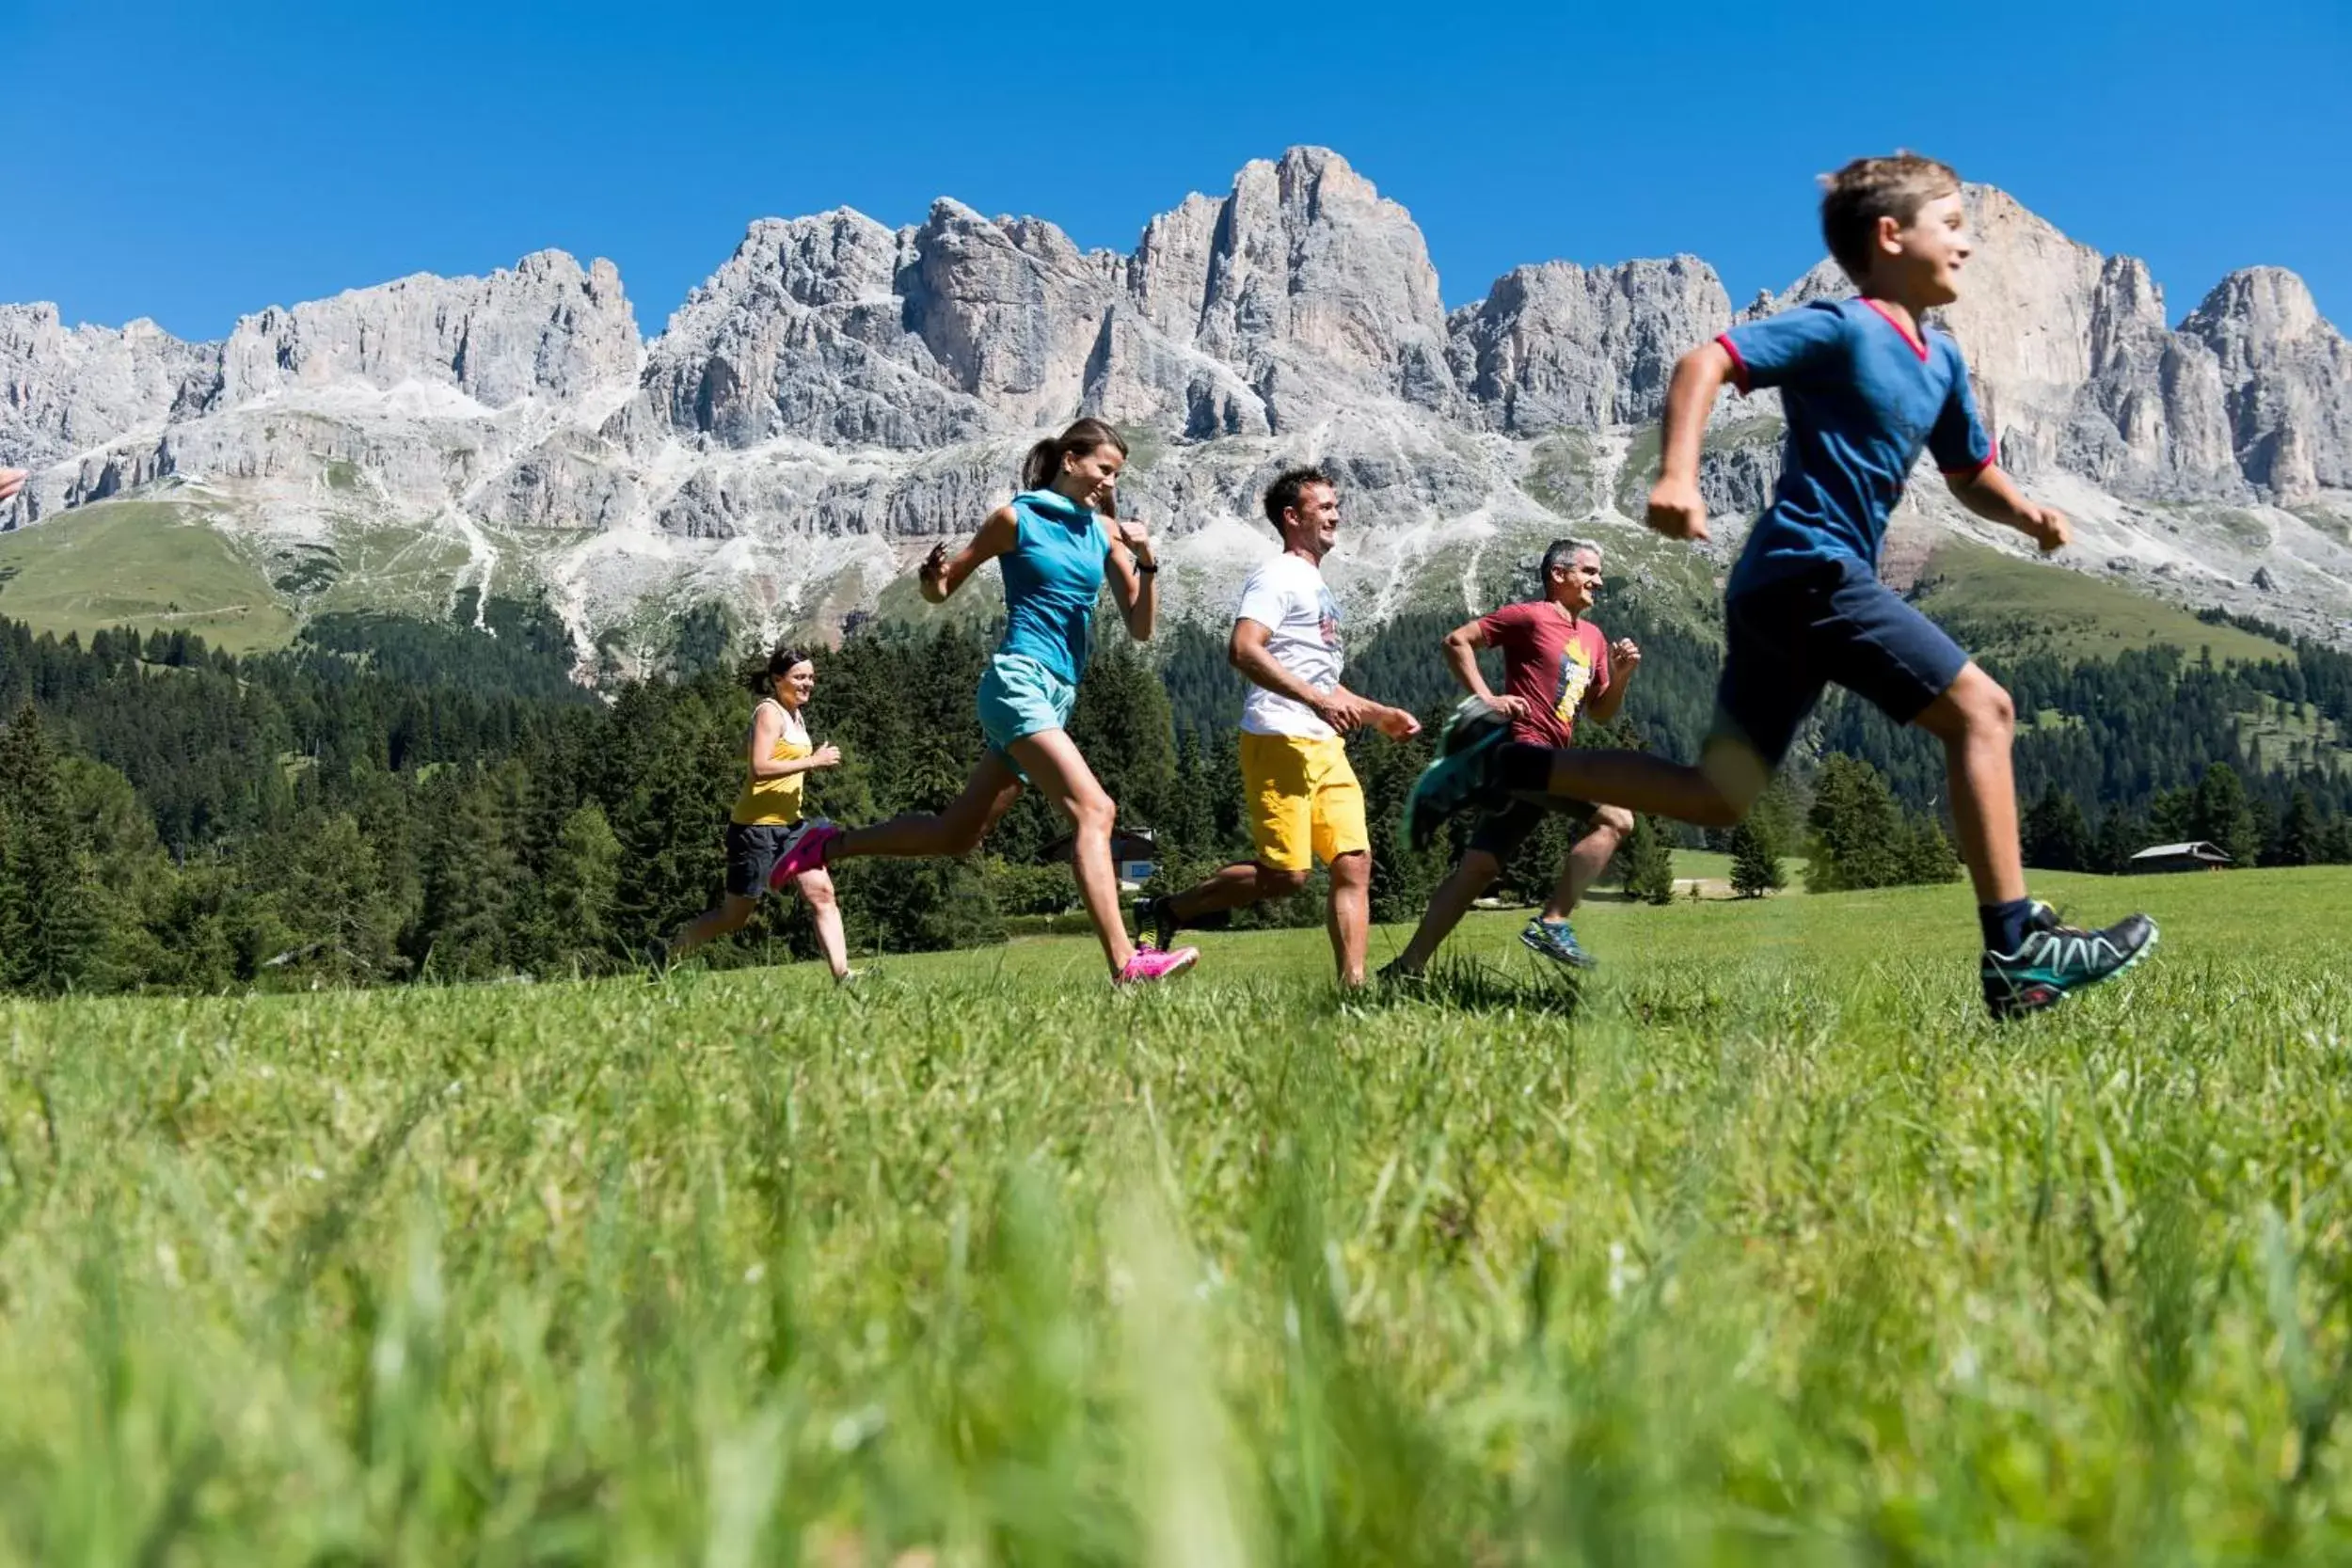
(2286, 378)
(2265, 303)
(1557, 344)
(1311, 270)
(837, 386)
(547, 326)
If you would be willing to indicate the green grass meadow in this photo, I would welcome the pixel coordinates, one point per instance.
(2014, 605)
(155, 564)
(1762, 1246)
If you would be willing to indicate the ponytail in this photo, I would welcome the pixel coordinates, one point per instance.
(1042, 466)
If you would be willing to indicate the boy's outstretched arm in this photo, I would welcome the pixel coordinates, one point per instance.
(1674, 506)
(1995, 497)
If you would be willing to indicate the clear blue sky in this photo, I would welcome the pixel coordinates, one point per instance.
(193, 162)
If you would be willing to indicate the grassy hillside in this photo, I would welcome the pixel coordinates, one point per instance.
(153, 564)
(2287, 731)
(1763, 1248)
(381, 568)
(2010, 605)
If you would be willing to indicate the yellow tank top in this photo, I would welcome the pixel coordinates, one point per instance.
(775, 803)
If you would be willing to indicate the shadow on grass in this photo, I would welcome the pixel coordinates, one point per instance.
(1471, 985)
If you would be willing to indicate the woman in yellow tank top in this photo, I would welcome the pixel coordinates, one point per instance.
(779, 757)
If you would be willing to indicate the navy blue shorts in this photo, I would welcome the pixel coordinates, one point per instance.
(1508, 821)
(1784, 641)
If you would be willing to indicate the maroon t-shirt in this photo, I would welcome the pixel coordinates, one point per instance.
(1550, 664)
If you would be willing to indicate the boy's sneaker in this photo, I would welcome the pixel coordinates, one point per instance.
(1153, 963)
(2054, 960)
(1153, 912)
(1394, 977)
(803, 852)
(1468, 722)
(1555, 940)
(1451, 782)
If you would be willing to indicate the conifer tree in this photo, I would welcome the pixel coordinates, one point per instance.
(2300, 833)
(2055, 837)
(1928, 856)
(50, 936)
(1123, 727)
(1755, 859)
(1858, 836)
(572, 902)
(2218, 814)
(470, 872)
(1649, 873)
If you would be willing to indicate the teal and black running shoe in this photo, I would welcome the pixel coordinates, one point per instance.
(1467, 725)
(2055, 960)
(1457, 778)
(1553, 940)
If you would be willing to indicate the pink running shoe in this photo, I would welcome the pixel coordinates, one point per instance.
(802, 852)
(1150, 963)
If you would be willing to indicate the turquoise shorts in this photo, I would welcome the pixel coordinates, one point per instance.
(1021, 697)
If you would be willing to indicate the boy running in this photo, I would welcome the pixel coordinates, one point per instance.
(1303, 799)
(1556, 664)
(1865, 384)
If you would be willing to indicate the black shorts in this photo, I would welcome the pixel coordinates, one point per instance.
(1504, 825)
(752, 854)
(1785, 641)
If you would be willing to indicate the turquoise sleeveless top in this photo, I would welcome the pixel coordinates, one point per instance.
(1052, 580)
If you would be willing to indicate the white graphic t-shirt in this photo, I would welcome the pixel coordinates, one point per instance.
(1286, 595)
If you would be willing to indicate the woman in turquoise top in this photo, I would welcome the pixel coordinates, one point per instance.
(1057, 540)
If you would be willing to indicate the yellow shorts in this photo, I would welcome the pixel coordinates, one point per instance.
(1303, 796)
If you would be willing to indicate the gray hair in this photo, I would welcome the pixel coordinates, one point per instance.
(1563, 552)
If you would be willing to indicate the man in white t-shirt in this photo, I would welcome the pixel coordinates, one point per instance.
(1303, 799)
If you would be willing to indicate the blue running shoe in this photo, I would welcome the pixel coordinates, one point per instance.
(1449, 783)
(2054, 961)
(1555, 940)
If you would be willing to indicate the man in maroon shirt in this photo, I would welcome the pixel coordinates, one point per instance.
(1556, 666)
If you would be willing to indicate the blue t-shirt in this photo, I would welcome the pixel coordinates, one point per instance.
(1053, 577)
(1862, 397)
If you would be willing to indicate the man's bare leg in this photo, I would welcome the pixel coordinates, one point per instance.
(1447, 905)
(1586, 859)
(1232, 887)
(1350, 917)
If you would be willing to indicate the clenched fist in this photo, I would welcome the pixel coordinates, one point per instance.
(1676, 511)
(2048, 527)
(1624, 656)
(1136, 535)
(931, 576)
